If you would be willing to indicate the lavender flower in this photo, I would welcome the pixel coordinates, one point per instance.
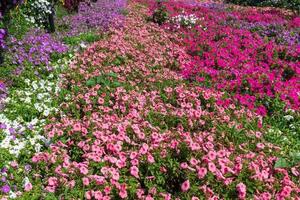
(36, 48)
(98, 16)
(5, 189)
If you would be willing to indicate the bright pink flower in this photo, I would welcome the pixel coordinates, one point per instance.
(212, 155)
(150, 158)
(88, 195)
(98, 195)
(52, 181)
(123, 194)
(286, 192)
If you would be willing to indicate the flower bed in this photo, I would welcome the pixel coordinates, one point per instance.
(151, 113)
(248, 53)
(136, 130)
(30, 95)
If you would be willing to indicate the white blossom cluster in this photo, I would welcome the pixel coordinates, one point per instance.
(184, 20)
(36, 95)
(22, 140)
(37, 12)
(26, 111)
(17, 132)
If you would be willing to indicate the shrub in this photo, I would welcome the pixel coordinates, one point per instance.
(71, 5)
(160, 15)
(291, 4)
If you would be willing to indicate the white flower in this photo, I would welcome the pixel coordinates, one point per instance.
(37, 147)
(46, 112)
(82, 45)
(288, 117)
(12, 195)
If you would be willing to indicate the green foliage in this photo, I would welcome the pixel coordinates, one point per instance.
(283, 128)
(290, 4)
(84, 37)
(166, 122)
(17, 26)
(60, 11)
(160, 15)
(108, 80)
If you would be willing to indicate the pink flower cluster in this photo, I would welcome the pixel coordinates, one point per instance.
(110, 138)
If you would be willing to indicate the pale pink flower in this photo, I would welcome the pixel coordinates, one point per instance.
(185, 186)
(184, 165)
(202, 172)
(77, 127)
(134, 171)
(212, 167)
(193, 161)
(28, 187)
(85, 181)
(241, 188)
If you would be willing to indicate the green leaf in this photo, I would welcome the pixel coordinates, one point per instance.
(99, 79)
(114, 75)
(91, 82)
(281, 163)
(116, 84)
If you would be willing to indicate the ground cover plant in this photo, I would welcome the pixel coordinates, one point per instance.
(151, 100)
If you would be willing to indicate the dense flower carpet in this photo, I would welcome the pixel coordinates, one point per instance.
(151, 100)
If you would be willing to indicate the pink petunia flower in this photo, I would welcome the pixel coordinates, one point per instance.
(185, 186)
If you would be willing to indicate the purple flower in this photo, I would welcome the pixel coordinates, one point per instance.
(100, 16)
(3, 126)
(5, 189)
(36, 48)
(28, 168)
(3, 179)
(11, 130)
(4, 170)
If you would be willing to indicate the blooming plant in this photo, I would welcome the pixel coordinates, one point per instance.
(184, 20)
(21, 126)
(2, 33)
(238, 60)
(37, 12)
(201, 104)
(35, 50)
(135, 129)
(100, 16)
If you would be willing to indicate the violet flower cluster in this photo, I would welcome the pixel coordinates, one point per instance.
(2, 33)
(3, 93)
(100, 16)
(35, 48)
